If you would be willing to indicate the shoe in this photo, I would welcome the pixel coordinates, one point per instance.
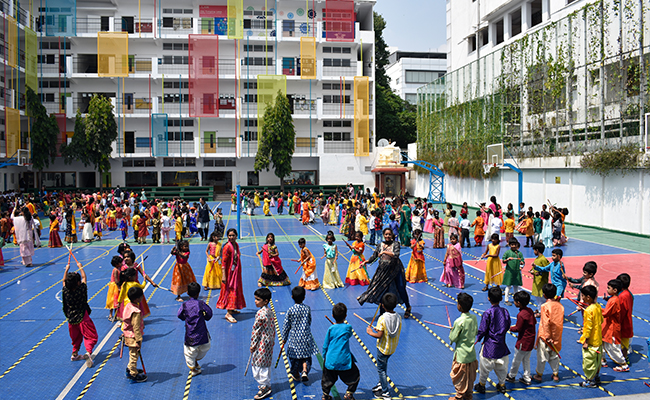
(501, 388)
(89, 360)
(407, 313)
(479, 388)
(603, 363)
(263, 393)
(511, 379)
(78, 357)
(484, 289)
(385, 395)
(597, 380)
(377, 388)
(139, 378)
(196, 371)
(304, 377)
(525, 382)
(348, 396)
(588, 384)
(536, 378)
(556, 378)
(508, 303)
(622, 368)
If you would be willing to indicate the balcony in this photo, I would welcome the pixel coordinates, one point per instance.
(90, 25)
(291, 28)
(219, 145)
(142, 146)
(343, 110)
(338, 147)
(177, 26)
(305, 145)
(340, 69)
(248, 148)
(134, 25)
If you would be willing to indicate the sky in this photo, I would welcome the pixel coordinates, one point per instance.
(414, 25)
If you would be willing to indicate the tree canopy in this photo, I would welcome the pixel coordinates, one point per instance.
(44, 132)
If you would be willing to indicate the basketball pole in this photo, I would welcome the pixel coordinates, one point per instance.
(239, 210)
(520, 180)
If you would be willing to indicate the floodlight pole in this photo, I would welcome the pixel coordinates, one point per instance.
(520, 180)
(239, 210)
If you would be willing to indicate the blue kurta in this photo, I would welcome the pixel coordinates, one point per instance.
(296, 331)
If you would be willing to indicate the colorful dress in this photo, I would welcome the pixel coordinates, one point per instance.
(357, 275)
(493, 266)
(454, 273)
(123, 299)
(428, 223)
(113, 291)
(331, 277)
(273, 274)
(182, 275)
(232, 291)
(438, 234)
(416, 271)
(389, 276)
(512, 275)
(111, 221)
(212, 275)
(55, 239)
(71, 231)
(305, 212)
(267, 208)
(405, 225)
(290, 205)
(309, 279)
(332, 208)
(263, 338)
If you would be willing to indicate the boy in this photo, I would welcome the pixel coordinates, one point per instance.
(525, 340)
(371, 227)
(197, 339)
(464, 230)
(338, 361)
(74, 297)
(556, 272)
(495, 323)
(479, 232)
(387, 331)
(549, 341)
(588, 272)
(611, 329)
(509, 226)
(530, 229)
(262, 341)
(378, 224)
(296, 334)
(132, 328)
(592, 338)
(394, 226)
(539, 278)
(463, 368)
(513, 260)
(537, 225)
(627, 302)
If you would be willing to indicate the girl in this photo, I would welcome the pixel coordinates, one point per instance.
(110, 220)
(309, 279)
(362, 219)
(438, 231)
(87, 233)
(325, 214)
(257, 199)
(558, 240)
(416, 271)
(74, 297)
(218, 223)
(165, 227)
(183, 273)
(305, 212)
(55, 239)
(447, 216)
(546, 236)
(280, 204)
(331, 278)
(273, 274)
(98, 226)
(428, 224)
(178, 226)
(454, 273)
(332, 208)
(128, 280)
(113, 294)
(357, 275)
(212, 275)
(124, 227)
(267, 206)
(231, 297)
(143, 231)
(493, 266)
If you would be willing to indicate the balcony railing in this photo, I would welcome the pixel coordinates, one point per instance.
(248, 148)
(344, 147)
(133, 105)
(305, 145)
(218, 145)
(90, 25)
(338, 109)
(340, 71)
(134, 26)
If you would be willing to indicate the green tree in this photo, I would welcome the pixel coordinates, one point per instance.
(44, 132)
(93, 136)
(277, 137)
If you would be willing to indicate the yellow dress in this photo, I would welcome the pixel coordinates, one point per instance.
(332, 214)
(416, 271)
(257, 199)
(267, 208)
(212, 275)
(493, 266)
(356, 274)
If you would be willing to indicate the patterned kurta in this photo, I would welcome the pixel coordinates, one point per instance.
(263, 338)
(296, 331)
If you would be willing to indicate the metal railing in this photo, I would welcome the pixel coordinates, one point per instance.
(345, 147)
(341, 71)
(346, 109)
(122, 25)
(248, 149)
(213, 147)
(89, 25)
(135, 105)
(305, 145)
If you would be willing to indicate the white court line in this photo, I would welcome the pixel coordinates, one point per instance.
(427, 295)
(83, 368)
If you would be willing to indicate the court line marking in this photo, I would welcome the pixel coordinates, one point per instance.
(110, 333)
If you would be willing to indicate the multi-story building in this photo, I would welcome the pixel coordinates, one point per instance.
(408, 70)
(190, 81)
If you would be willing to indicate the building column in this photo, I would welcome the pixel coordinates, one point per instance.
(525, 17)
(546, 10)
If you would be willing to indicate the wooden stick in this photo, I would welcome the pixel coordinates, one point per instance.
(357, 315)
(497, 274)
(144, 370)
(373, 317)
(164, 288)
(248, 364)
(574, 312)
(279, 355)
(328, 318)
(448, 319)
(122, 346)
(554, 348)
(440, 325)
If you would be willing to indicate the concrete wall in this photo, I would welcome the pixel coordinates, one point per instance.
(616, 202)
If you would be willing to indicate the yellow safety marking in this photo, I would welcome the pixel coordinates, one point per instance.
(99, 369)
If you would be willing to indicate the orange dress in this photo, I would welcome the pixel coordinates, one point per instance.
(356, 274)
(305, 212)
(183, 274)
(416, 271)
(309, 279)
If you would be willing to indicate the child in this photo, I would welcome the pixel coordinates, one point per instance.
(627, 302)
(212, 276)
(539, 278)
(465, 364)
(464, 230)
(357, 274)
(495, 323)
(297, 337)
(197, 338)
(530, 229)
(87, 233)
(513, 261)
(588, 272)
(525, 327)
(372, 227)
(479, 232)
(143, 231)
(113, 288)
(124, 227)
(611, 329)
(267, 206)
(549, 338)
(393, 225)
(155, 224)
(556, 272)
(55, 239)
(537, 226)
(74, 297)
(165, 227)
(453, 273)
(309, 279)
(331, 277)
(71, 228)
(362, 220)
(273, 273)
(592, 337)
(415, 220)
(509, 227)
(132, 329)
(97, 232)
(262, 341)
(416, 271)
(178, 226)
(129, 279)
(338, 361)
(183, 274)
(387, 331)
(493, 271)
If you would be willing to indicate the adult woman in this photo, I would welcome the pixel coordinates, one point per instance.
(24, 231)
(231, 297)
(438, 231)
(389, 276)
(405, 223)
(203, 218)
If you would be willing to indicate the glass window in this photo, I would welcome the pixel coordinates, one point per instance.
(180, 178)
(141, 178)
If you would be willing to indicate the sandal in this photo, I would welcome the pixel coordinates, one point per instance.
(407, 313)
(231, 319)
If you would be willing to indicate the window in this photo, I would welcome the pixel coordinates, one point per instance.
(471, 44)
(336, 62)
(263, 61)
(515, 22)
(250, 136)
(535, 12)
(498, 27)
(177, 122)
(484, 36)
(250, 122)
(411, 98)
(336, 136)
(250, 85)
(337, 124)
(219, 162)
(250, 98)
(253, 178)
(258, 24)
(258, 47)
(336, 86)
(141, 179)
(176, 136)
(175, 85)
(337, 50)
(336, 99)
(412, 76)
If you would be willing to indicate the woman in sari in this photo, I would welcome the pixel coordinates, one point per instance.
(438, 231)
(389, 276)
(405, 223)
(231, 297)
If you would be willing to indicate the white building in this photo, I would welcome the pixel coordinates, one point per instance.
(408, 70)
(161, 141)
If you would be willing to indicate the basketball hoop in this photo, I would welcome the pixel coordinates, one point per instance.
(487, 167)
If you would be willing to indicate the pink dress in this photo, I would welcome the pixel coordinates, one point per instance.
(428, 223)
(454, 273)
(232, 291)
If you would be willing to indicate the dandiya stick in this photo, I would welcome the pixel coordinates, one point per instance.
(144, 370)
(373, 317)
(279, 355)
(122, 346)
(574, 312)
(301, 264)
(448, 319)
(248, 364)
(497, 274)
(436, 324)
(554, 348)
(328, 318)
(357, 315)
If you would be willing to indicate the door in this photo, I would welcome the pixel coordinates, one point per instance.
(129, 142)
(128, 103)
(390, 184)
(209, 145)
(106, 179)
(127, 24)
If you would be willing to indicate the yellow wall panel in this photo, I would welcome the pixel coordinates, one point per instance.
(267, 89)
(12, 41)
(308, 58)
(12, 130)
(31, 52)
(235, 19)
(361, 116)
(113, 54)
